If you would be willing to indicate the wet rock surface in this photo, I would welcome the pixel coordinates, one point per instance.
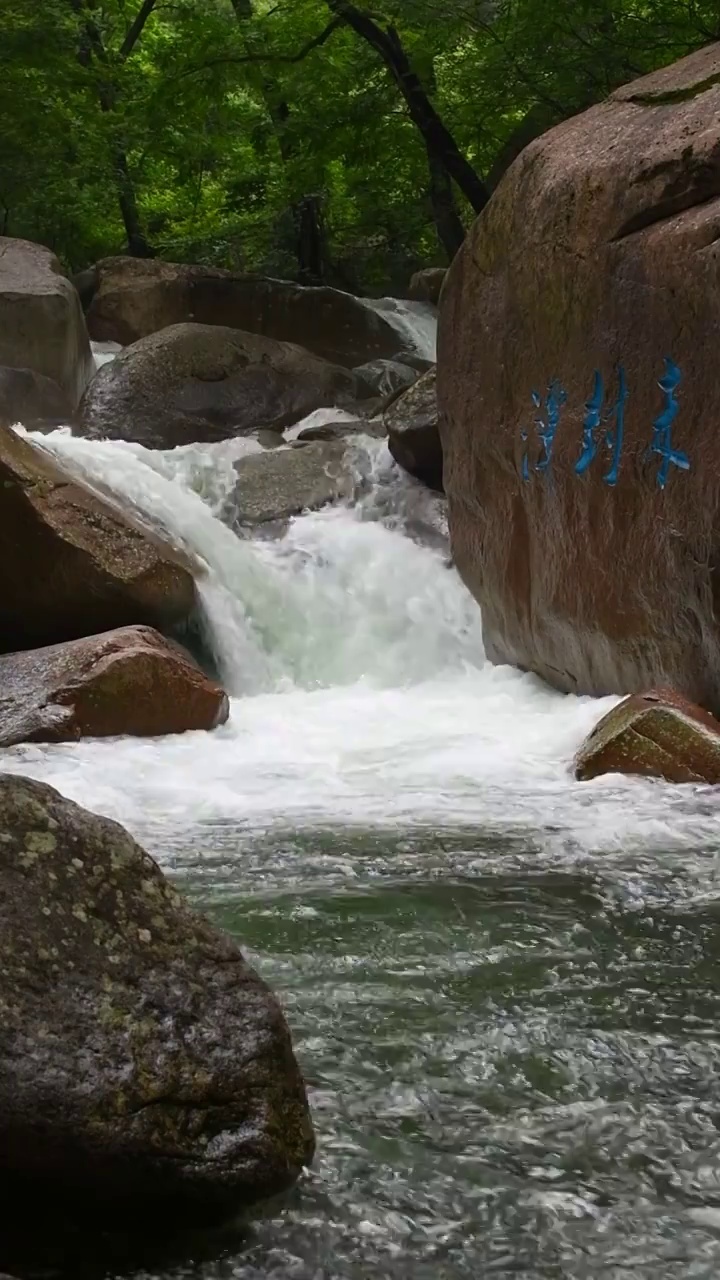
(277, 485)
(413, 433)
(33, 400)
(657, 734)
(129, 681)
(145, 1069)
(193, 383)
(73, 562)
(42, 327)
(592, 540)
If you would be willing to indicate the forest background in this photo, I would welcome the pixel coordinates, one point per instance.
(319, 141)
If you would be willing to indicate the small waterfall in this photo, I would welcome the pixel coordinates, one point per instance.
(344, 596)
(414, 322)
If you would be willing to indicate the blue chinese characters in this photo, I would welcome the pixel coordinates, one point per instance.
(608, 428)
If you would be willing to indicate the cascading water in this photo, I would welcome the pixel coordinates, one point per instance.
(497, 978)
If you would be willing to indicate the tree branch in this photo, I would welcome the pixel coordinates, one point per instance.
(136, 27)
(288, 59)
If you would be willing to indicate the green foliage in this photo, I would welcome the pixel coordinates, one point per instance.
(226, 115)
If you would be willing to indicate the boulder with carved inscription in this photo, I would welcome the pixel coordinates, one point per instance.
(579, 401)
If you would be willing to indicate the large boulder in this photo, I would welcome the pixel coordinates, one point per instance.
(582, 479)
(195, 383)
(136, 297)
(146, 1072)
(73, 562)
(128, 681)
(658, 735)
(32, 399)
(276, 485)
(41, 321)
(413, 432)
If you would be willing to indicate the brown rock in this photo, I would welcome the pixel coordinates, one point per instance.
(425, 285)
(73, 562)
(136, 297)
(195, 383)
(129, 681)
(41, 321)
(414, 434)
(146, 1071)
(33, 400)
(600, 248)
(657, 734)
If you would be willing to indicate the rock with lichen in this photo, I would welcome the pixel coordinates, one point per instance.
(144, 1066)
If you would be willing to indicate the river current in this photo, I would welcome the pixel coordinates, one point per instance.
(503, 985)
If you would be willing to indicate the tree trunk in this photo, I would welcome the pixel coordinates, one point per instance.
(309, 238)
(448, 223)
(92, 46)
(436, 136)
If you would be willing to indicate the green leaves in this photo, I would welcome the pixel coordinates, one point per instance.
(230, 115)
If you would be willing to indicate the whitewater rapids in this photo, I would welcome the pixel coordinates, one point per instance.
(360, 692)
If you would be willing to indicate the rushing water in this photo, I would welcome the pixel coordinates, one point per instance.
(503, 985)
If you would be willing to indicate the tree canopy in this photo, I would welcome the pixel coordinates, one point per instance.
(316, 139)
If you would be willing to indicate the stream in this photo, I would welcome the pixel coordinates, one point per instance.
(503, 985)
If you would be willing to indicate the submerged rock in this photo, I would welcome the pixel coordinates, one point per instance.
(275, 486)
(73, 563)
(42, 327)
(343, 430)
(138, 296)
(413, 432)
(657, 734)
(196, 383)
(578, 395)
(33, 400)
(128, 681)
(145, 1069)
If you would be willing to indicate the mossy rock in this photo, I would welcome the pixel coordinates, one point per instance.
(658, 735)
(145, 1069)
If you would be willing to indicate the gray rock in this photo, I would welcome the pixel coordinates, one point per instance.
(382, 377)
(33, 400)
(414, 434)
(275, 486)
(42, 326)
(145, 1069)
(195, 383)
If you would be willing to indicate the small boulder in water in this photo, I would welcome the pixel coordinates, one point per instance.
(413, 432)
(146, 1071)
(128, 681)
(42, 326)
(194, 383)
(73, 562)
(275, 486)
(342, 430)
(658, 734)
